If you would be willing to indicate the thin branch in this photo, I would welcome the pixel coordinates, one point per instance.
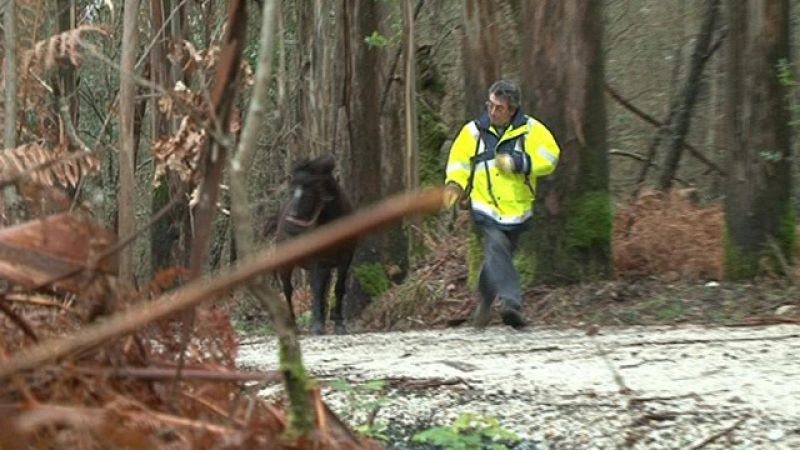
(18, 320)
(649, 119)
(717, 435)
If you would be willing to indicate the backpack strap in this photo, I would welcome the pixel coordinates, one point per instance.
(524, 138)
(474, 162)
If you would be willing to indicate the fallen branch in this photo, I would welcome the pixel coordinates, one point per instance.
(198, 291)
(423, 383)
(717, 435)
(32, 300)
(168, 374)
(706, 341)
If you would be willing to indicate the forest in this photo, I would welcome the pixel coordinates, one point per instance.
(155, 153)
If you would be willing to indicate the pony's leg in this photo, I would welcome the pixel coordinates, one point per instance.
(320, 281)
(339, 291)
(286, 283)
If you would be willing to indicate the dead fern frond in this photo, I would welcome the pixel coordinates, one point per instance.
(179, 153)
(62, 49)
(46, 167)
(668, 234)
(30, 17)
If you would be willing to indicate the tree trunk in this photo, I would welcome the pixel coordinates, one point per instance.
(169, 236)
(127, 101)
(361, 159)
(679, 126)
(481, 53)
(563, 86)
(759, 218)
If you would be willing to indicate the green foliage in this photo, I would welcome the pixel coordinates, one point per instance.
(525, 263)
(590, 221)
(787, 236)
(372, 278)
(736, 264)
(432, 134)
(364, 399)
(251, 328)
(785, 74)
(771, 156)
(664, 309)
(376, 40)
(474, 257)
(469, 432)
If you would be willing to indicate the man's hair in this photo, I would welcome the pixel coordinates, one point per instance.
(508, 90)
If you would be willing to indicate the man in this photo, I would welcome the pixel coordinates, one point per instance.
(492, 168)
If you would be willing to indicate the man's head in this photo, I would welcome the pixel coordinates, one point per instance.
(504, 100)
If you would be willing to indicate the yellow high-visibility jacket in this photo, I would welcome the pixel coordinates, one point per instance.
(504, 198)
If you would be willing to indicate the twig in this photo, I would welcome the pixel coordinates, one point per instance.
(213, 408)
(18, 320)
(602, 353)
(18, 298)
(198, 291)
(717, 435)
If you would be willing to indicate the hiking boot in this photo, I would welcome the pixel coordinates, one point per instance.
(483, 313)
(512, 317)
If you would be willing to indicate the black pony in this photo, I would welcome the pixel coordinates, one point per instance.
(317, 199)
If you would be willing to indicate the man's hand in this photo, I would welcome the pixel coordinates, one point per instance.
(514, 162)
(504, 163)
(452, 192)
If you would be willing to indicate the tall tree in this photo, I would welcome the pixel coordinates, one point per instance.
(127, 154)
(481, 53)
(759, 217)
(563, 72)
(361, 158)
(169, 238)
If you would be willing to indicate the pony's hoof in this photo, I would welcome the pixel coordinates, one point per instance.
(317, 329)
(340, 329)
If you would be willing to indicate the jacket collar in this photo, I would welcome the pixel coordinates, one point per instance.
(517, 120)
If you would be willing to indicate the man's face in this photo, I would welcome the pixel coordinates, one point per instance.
(499, 111)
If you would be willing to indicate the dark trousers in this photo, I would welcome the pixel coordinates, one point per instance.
(498, 278)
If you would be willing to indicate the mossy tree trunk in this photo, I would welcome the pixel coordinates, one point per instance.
(759, 218)
(361, 155)
(563, 72)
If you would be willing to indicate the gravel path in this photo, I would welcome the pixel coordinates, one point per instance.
(638, 387)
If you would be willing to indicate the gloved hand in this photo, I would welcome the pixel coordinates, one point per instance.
(452, 192)
(514, 162)
(504, 163)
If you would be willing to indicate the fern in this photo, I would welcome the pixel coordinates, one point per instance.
(46, 167)
(63, 48)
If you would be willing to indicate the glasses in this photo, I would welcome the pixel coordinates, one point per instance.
(496, 107)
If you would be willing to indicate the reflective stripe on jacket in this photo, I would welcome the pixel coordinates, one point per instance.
(505, 198)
